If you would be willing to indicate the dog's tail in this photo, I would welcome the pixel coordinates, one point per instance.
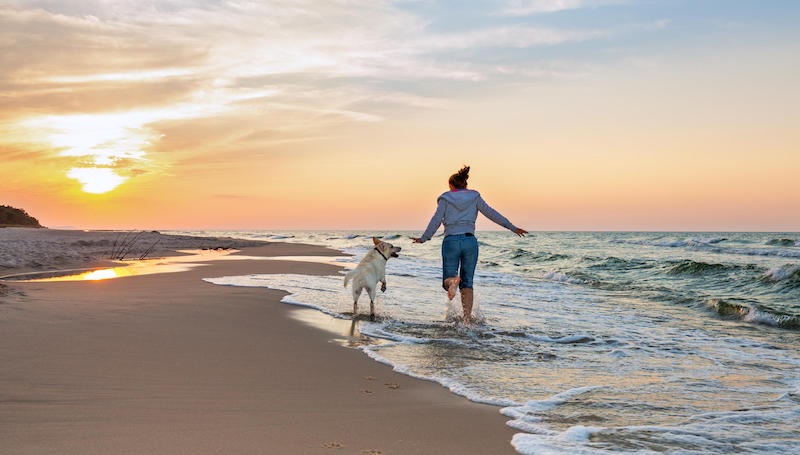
(348, 277)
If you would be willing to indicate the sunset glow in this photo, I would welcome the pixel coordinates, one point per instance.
(629, 115)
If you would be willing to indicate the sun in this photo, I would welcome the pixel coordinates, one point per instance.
(99, 143)
(96, 180)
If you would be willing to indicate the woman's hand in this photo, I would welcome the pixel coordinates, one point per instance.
(416, 240)
(520, 232)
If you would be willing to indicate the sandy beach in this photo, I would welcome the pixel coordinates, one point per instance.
(167, 363)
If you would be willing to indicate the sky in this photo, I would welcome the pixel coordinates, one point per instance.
(352, 114)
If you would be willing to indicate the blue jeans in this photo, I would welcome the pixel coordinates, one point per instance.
(460, 250)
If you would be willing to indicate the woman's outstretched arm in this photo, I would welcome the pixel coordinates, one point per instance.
(433, 225)
(495, 216)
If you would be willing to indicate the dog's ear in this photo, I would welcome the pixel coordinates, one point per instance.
(376, 240)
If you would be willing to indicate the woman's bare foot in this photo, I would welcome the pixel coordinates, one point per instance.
(452, 286)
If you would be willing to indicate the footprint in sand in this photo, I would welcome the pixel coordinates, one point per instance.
(367, 392)
(333, 445)
(369, 378)
(372, 452)
(392, 385)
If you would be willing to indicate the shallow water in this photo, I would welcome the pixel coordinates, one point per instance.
(597, 343)
(130, 267)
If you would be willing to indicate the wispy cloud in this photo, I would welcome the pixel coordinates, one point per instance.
(112, 85)
(508, 37)
(530, 7)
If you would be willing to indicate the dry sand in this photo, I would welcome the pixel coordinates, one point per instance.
(169, 364)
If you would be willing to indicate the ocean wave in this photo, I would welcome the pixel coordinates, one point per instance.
(711, 248)
(553, 443)
(689, 267)
(541, 256)
(537, 438)
(723, 432)
(760, 252)
(569, 339)
(615, 263)
(783, 273)
(750, 313)
(534, 406)
(711, 241)
(783, 242)
(380, 331)
(561, 277)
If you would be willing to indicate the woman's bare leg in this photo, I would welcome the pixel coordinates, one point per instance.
(466, 303)
(451, 284)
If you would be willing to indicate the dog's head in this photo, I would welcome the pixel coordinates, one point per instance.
(387, 249)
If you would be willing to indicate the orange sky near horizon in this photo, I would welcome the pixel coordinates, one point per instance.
(132, 118)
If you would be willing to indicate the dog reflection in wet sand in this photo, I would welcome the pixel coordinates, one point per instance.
(370, 271)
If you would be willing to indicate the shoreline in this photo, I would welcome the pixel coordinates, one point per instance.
(166, 362)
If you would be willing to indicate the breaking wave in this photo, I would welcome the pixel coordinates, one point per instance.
(786, 272)
(749, 313)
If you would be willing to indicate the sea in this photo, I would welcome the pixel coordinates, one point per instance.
(591, 342)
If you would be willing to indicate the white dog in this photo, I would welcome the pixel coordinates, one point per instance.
(369, 271)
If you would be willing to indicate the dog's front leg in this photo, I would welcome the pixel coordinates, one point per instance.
(383, 285)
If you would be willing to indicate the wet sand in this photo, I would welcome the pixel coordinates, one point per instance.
(169, 364)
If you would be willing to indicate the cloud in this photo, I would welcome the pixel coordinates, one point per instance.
(136, 85)
(509, 37)
(530, 7)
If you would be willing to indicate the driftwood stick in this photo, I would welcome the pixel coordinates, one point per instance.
(123, 237)
(129, 246)
(147, 251)
(113, 246)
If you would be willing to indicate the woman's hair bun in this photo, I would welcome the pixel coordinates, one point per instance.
(459, 179)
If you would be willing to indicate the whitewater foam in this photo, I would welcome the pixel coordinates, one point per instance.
(561, 277)
(781, 273)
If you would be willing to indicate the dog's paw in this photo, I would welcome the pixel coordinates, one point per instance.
(383, 288)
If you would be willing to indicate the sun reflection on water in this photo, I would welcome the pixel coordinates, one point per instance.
(95, 275)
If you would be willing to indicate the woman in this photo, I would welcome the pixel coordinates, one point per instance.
(458, 209)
